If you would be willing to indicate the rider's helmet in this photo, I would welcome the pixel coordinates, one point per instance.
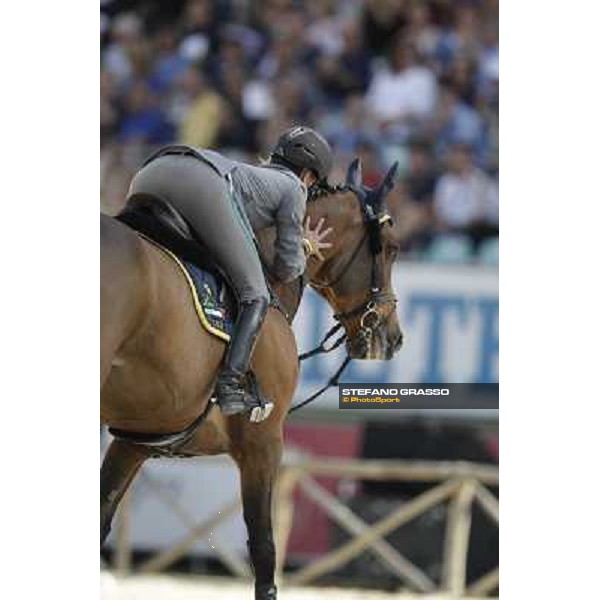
(303, 148)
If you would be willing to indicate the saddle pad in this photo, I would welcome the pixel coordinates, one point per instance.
(213, 301)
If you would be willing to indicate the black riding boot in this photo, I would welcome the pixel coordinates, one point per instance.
(230, 392)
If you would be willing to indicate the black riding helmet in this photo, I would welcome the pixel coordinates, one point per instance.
(303, 148)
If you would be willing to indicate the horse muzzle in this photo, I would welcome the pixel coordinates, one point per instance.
(378, 337)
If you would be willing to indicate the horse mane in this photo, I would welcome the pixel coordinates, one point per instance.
(324, 188)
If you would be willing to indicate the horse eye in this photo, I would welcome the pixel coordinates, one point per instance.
(393, 252)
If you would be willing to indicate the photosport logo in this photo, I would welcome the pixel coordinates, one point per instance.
(410, 395)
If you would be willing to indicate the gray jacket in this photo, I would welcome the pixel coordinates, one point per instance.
(272, 196)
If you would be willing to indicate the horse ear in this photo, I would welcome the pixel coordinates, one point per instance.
(388, 182)
(354, 174)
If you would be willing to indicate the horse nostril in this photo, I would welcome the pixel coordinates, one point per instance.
(399, 341)
(394, 342)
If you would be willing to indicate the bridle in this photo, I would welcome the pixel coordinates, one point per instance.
(371, 317)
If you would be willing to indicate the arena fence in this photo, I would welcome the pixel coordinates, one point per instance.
(460, 484)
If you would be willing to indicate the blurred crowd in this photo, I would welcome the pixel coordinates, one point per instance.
(409, 80)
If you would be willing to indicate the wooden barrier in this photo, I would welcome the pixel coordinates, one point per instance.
(460, 484)
(237, 565)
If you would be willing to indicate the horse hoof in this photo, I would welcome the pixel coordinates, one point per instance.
(261, 413)
(266, 592)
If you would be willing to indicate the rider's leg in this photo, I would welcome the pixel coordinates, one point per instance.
(230, 390)
(202, 196)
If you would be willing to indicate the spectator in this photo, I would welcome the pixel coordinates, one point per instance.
(489, 65)
(461, 38)
(416, 212)
(168, 65)
(462, 78)
(117, 58)
(455, 122)
(404, 91)
(202, 111)
(231, 56)
(348, 71)
(285, 18)
(199, 26)
(421, 32)
(325, 34)
(466, 199)
(382, 22)
(143, 122)
(353, 128)
(236, 130)
(283, 58)
(421, 175)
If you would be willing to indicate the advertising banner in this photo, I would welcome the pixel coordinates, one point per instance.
(449, 316)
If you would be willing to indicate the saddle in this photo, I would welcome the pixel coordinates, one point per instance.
(163, 226)
(158, 220)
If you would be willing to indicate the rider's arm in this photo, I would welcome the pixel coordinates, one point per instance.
(290, 256)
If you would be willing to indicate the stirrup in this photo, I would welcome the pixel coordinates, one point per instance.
(259, 409)
(252, 402)
(265, 406)
(261, 413)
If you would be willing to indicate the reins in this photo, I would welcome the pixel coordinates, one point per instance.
(331, 383)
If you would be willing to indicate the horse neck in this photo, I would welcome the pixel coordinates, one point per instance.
(338, 209)
(289, 296)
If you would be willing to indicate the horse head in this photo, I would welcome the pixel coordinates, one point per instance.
(356, 275)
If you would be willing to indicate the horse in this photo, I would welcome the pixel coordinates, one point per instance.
(158, 366)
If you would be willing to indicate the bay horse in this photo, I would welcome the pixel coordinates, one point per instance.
(158, 366)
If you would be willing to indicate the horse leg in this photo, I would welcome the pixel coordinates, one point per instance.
(120, 465)
(258, 464)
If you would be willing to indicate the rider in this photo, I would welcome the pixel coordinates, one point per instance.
(225, 202)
